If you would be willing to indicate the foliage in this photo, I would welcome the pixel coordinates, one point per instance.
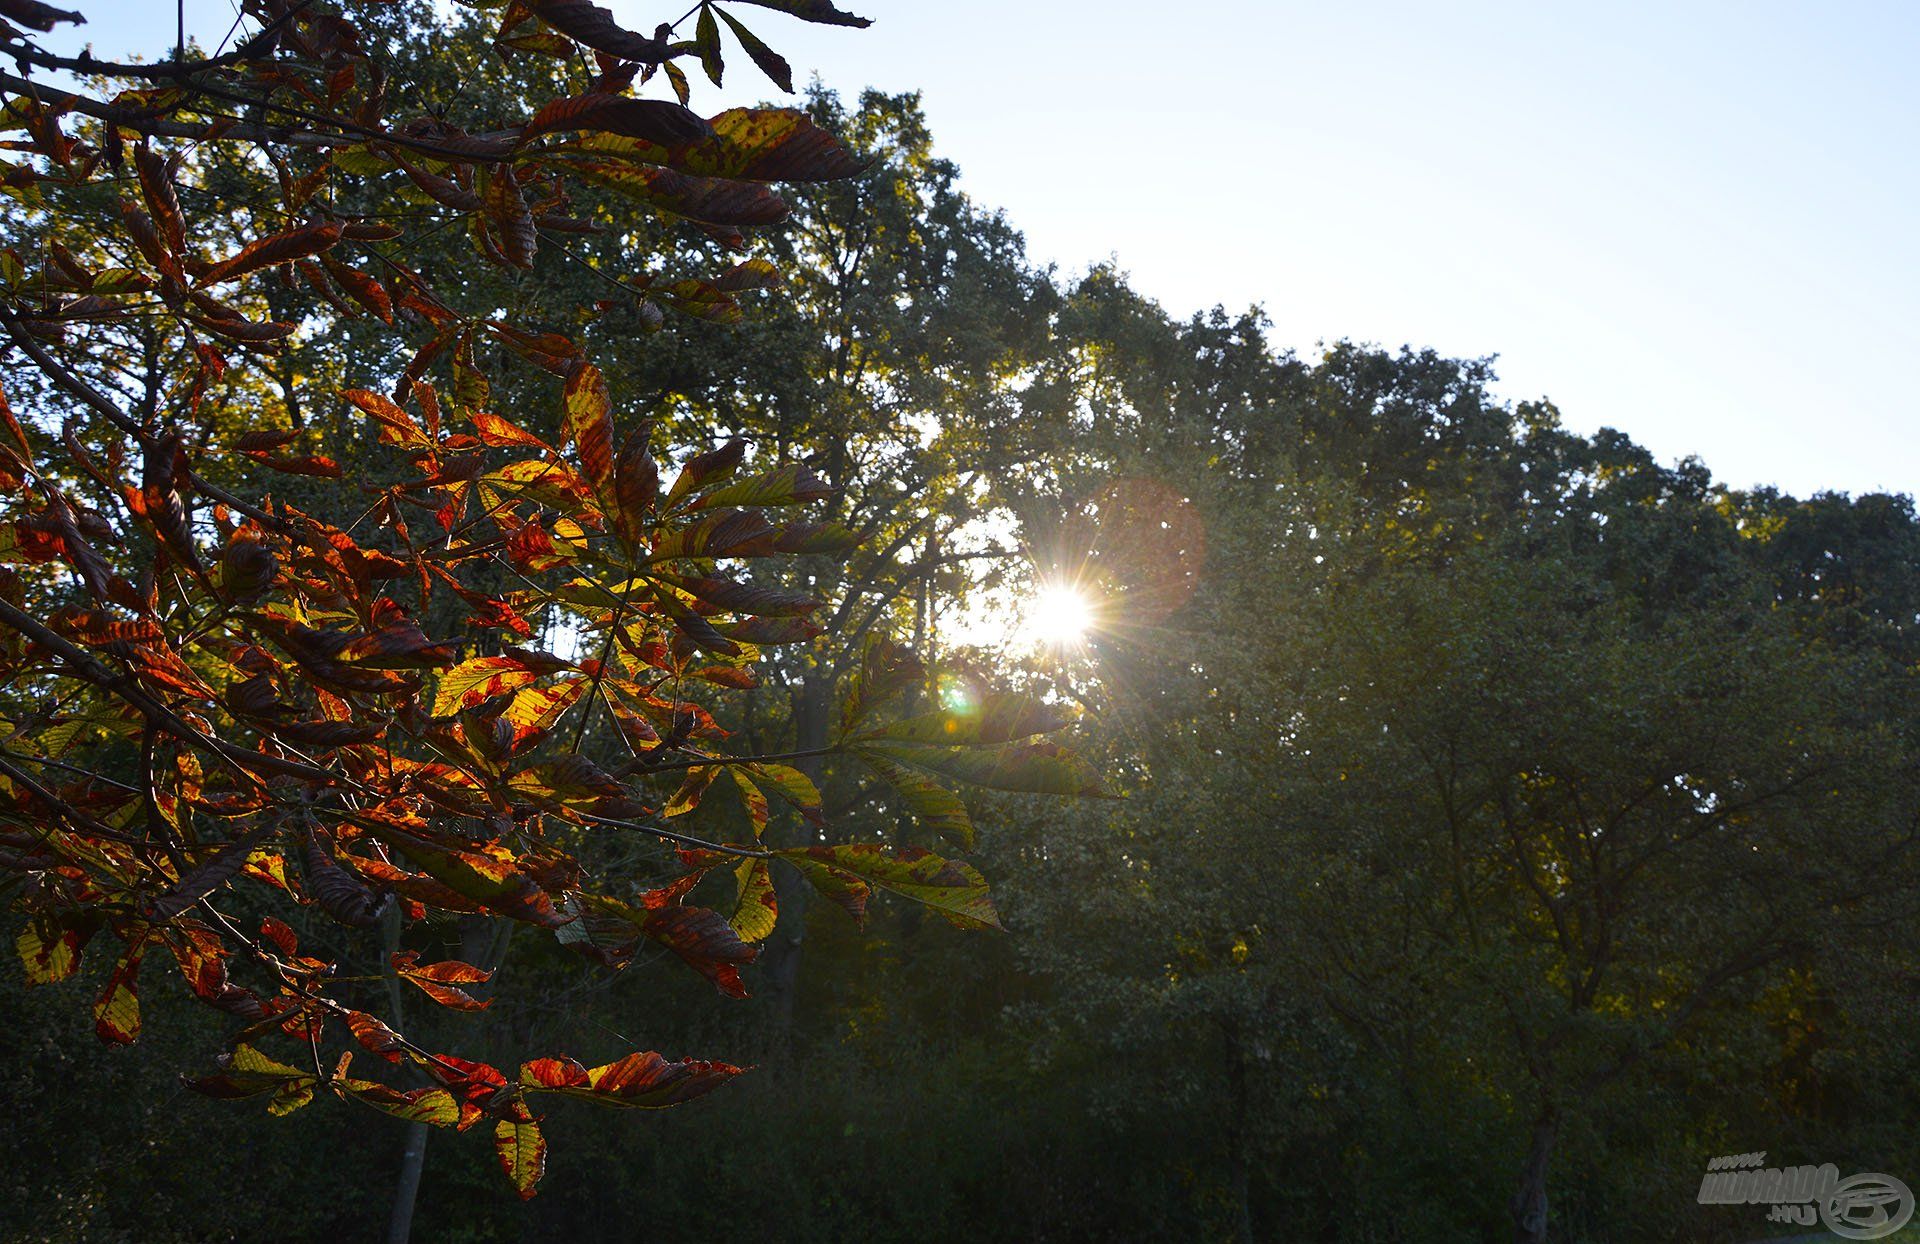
(251, 660)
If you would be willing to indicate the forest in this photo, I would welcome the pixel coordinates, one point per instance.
(1411, 820)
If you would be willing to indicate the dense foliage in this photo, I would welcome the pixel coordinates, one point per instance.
(1513, 823)
(224, 690)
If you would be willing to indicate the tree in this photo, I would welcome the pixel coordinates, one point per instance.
(225, 668)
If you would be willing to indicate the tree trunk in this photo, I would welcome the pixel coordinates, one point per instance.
(413, 1157)
(1529, 1208)
(413, 1160)
(483, 943)
(1239, 1167)
(780, 962)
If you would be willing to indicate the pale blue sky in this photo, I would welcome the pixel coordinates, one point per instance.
(1692, 221)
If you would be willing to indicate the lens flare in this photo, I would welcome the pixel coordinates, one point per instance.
(1059, 616)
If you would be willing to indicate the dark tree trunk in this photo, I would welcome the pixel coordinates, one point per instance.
(413, 1156)
(1529, 1208)
(1239, 1166)
(483, 943)
(780, 962)
(413, 1160)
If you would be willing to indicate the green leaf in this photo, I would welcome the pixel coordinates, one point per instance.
(249, 1073)
(706, 37)
(723, 533)
(936, 807)
(950, 887)
(754, 909)
(789, 785)
(1028, 768)
(791, 484)
(769, 61)
(886, 669)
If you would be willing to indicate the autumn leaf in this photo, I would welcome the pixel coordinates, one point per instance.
(523, 1153)
(478, 679)
(643, 1081)
(950, 887)
(441, 981)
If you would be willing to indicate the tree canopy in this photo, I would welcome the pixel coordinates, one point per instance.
(466, 536)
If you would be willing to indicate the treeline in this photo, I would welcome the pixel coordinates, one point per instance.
(1513, 823)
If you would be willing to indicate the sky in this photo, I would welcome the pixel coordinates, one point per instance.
(1690, 221)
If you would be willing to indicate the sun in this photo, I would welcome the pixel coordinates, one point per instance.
(1058, 616)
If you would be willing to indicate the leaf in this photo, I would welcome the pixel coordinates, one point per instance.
(246, 1072)
(374, 1036)
(654, 120)
(644, 1081)
(433, 1106)
(1028, 768)
(116, 1013)
(440, 981)
(792, 484)
(706, 941)
(40, 16)
(745, 598)
(544, 483)
(572, 781)
(706, 39)
(507, 208)
(752, 802)
(722, 533)
(590, 424)
(537, 708)
(692, 787)
(593, 26)
(704, 469)
(821, 11)
(936, 807)
(710, 200)
(50, 949)
(825, 539)
(339, 894)
(493, 430)
(842, 888)
(397, 646)
(755, 911)
(523, 1153)
(494, 883)
(748, 144)
(702, 938)
(280, 248)
(477, 679)
(787, 784)
(208, 877)
(886, 669)
(769, 61)
(950, 887)
(396, 425)
(770, 630)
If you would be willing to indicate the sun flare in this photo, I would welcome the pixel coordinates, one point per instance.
(1059, 616)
